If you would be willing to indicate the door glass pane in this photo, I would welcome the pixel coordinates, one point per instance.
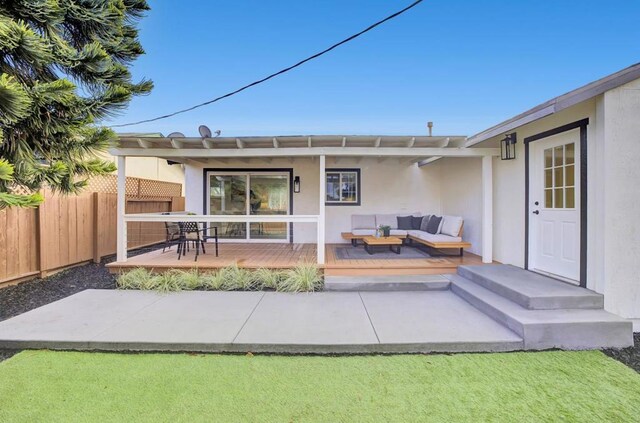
(333, 187)
(558, 198)
(559, 177)
(269, 195)
(548, 178)
(570, 154)
(548, 198)
(570, 198)
(227, 196)
(557, 156)
(548, 157)
(570, 175)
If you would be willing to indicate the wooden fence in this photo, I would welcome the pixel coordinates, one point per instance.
(68, 230)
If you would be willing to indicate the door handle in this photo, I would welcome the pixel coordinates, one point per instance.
(536, 212)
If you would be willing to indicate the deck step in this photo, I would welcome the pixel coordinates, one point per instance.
(531, 290)
(544, 329)
(386, 283)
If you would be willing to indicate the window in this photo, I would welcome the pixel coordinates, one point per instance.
(343, 187)
(559, 177)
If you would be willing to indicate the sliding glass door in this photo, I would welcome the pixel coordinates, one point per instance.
(250, 194)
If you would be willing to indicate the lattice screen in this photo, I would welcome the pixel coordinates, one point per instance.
(135, 187)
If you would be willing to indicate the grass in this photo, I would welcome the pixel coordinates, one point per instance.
(305, 277)
(514, 387)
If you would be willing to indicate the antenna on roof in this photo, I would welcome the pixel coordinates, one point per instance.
(430, 126)
(175, 135)
(217, 132)
(204, 130)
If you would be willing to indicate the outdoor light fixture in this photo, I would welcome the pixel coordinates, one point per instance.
(508, 147)
(296, 184)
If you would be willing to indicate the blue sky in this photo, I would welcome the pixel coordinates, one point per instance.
(465, 65)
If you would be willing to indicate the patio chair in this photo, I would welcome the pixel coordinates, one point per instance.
(172, 230)
(190, 232)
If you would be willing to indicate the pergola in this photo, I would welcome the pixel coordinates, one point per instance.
(414, 150)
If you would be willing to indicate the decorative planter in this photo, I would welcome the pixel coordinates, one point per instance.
(385, 232)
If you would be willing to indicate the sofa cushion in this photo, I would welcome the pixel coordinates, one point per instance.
(404, 222)
(390, 220)
(398, 232)
(424, 223)
(415, 222)
(363, 221)
(434, 224)
(451, 225)
(364, 232)
(426, 236)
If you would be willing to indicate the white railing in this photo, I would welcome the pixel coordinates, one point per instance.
(177, 217)
(208, 218)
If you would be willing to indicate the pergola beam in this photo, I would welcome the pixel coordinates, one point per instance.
(305, 151)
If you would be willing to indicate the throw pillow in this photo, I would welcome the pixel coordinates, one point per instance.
(451, 225)
(424, 223)
(405, 222)
(434, 224)
(416, 221)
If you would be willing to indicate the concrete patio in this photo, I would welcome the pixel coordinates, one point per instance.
(323, 322)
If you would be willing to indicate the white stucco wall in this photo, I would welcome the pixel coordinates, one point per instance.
(461, 195)
(390, 186)
(621, 189)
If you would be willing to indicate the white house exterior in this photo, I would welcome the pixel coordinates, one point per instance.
(566, 206)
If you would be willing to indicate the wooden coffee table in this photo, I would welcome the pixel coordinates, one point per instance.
(370, 242)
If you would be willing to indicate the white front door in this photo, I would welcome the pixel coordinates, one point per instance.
(554, 195)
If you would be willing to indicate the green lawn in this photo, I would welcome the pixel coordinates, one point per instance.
(44, 386)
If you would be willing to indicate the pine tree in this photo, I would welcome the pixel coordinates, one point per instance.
(63, 68)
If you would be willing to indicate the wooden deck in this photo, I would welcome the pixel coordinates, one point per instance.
(254, 256)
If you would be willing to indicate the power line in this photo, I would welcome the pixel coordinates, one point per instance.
(273, 75)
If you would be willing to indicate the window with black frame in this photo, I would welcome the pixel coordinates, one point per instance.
(343, 187)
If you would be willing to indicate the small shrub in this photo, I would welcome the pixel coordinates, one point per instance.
(235, 278)
(211, 281)
(267, 278)
(188, 280)
(139, 278)
(169, 281)
(304, 277)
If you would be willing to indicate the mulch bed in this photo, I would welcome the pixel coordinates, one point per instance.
(629, 356)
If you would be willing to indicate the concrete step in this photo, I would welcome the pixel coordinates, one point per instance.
(386, 283)
(543, 329)
(531, 290)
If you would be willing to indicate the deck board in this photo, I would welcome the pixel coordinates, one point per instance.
(282, 256)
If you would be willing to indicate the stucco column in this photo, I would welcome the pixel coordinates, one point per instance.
(121, 227)
(487, 209)
(321, 212)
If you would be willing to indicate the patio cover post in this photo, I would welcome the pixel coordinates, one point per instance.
(487, 209)
(121, 227)
(320, 225)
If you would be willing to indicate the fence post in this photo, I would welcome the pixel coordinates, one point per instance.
(97, 222)
(42, 263)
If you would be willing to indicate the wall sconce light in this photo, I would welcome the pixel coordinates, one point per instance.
(296, 184)
(508, 147)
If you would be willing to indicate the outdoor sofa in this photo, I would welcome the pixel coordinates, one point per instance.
(437, 232)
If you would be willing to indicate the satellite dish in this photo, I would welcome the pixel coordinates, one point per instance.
(175, 135)
(205, 132)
